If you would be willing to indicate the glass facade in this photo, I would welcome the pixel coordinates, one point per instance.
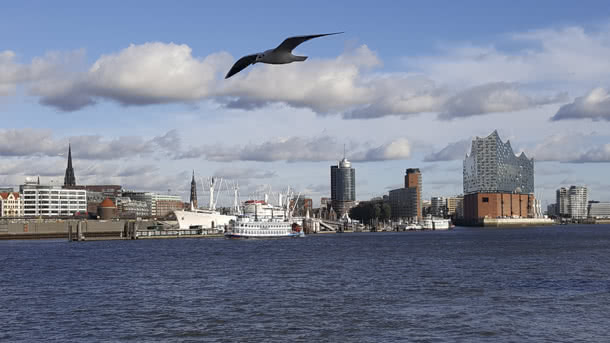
(342, 186)
(492, 166)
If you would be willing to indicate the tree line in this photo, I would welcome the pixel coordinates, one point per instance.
(368, 211)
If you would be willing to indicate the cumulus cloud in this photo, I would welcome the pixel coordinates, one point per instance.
(453, 151)
(36, 142)
(572, 148)
(149, 73)
(293, 149)
(349, 84)
(398, 149)
(492, 98)
(568, 54)
(595, 154)
(594, 105)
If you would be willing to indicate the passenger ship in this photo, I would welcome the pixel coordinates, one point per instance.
(271, 223)
(431, 223)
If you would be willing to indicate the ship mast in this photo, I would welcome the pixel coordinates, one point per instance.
(212, 184)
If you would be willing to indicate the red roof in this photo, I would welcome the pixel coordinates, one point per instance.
(107, 203)
(6, 194)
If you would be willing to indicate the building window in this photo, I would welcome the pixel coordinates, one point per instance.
(485, 199)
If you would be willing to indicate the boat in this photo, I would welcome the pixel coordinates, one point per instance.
(431, 223)
(413, 226)
(244, 227)
(208, 218)
(263, 220)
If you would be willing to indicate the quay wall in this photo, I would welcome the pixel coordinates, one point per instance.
(35, 229)
(516, 222)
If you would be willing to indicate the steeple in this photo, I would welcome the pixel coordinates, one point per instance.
(69, 179)
(193, 192)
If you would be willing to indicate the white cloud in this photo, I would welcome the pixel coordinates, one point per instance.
(36, 142)
(594, 105)
(293, 149)
(349, 84)
(492, 98)
(398, 149)
(453, 151)
(568, 54)
(149, 73)
(572, 148)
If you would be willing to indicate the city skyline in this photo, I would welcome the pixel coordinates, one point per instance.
(541, 83)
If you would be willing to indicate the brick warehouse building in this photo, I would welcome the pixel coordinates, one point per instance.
(493, 205)
(497, 183)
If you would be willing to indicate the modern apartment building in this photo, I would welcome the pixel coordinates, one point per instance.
(561, 197)
(577, 202)
(43, 200)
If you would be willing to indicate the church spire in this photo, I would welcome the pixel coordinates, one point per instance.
(69, 179)
(193, 192)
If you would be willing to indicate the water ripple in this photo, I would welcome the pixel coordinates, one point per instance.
(469, 284)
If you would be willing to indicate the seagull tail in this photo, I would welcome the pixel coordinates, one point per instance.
(300, 58)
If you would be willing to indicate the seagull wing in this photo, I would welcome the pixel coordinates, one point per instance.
(241, 64)
(292, 42)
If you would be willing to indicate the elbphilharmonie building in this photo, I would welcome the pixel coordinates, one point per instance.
(492, 166)
(497, 183)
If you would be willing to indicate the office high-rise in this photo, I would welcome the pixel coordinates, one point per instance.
(413, 180)
(342, 187)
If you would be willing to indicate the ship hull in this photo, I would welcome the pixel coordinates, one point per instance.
(204, 219)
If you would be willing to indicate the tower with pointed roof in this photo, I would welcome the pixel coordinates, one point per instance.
(69, 178)
(193, 192)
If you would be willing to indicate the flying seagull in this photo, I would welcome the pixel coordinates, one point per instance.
(280, 55)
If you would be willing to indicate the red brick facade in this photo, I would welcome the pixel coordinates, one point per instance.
(497, 205)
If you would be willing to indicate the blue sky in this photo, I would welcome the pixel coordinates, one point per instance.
(139, 91)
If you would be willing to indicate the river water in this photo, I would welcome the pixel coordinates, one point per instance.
(469, 284)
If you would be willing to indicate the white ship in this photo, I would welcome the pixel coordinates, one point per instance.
(205, 218)
(431, 223)
(244, 227)
(263, 220)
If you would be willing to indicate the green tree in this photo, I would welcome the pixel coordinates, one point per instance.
(386, 212)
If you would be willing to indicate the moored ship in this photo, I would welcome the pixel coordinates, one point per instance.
(431, 223)
(204, 218)
(243, 227)
(263, 220)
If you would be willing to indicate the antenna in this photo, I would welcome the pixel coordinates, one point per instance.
(343, 150)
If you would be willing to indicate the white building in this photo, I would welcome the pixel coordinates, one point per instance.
(599, 209)
(41, 200)
(11, 204)
(577, 202)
